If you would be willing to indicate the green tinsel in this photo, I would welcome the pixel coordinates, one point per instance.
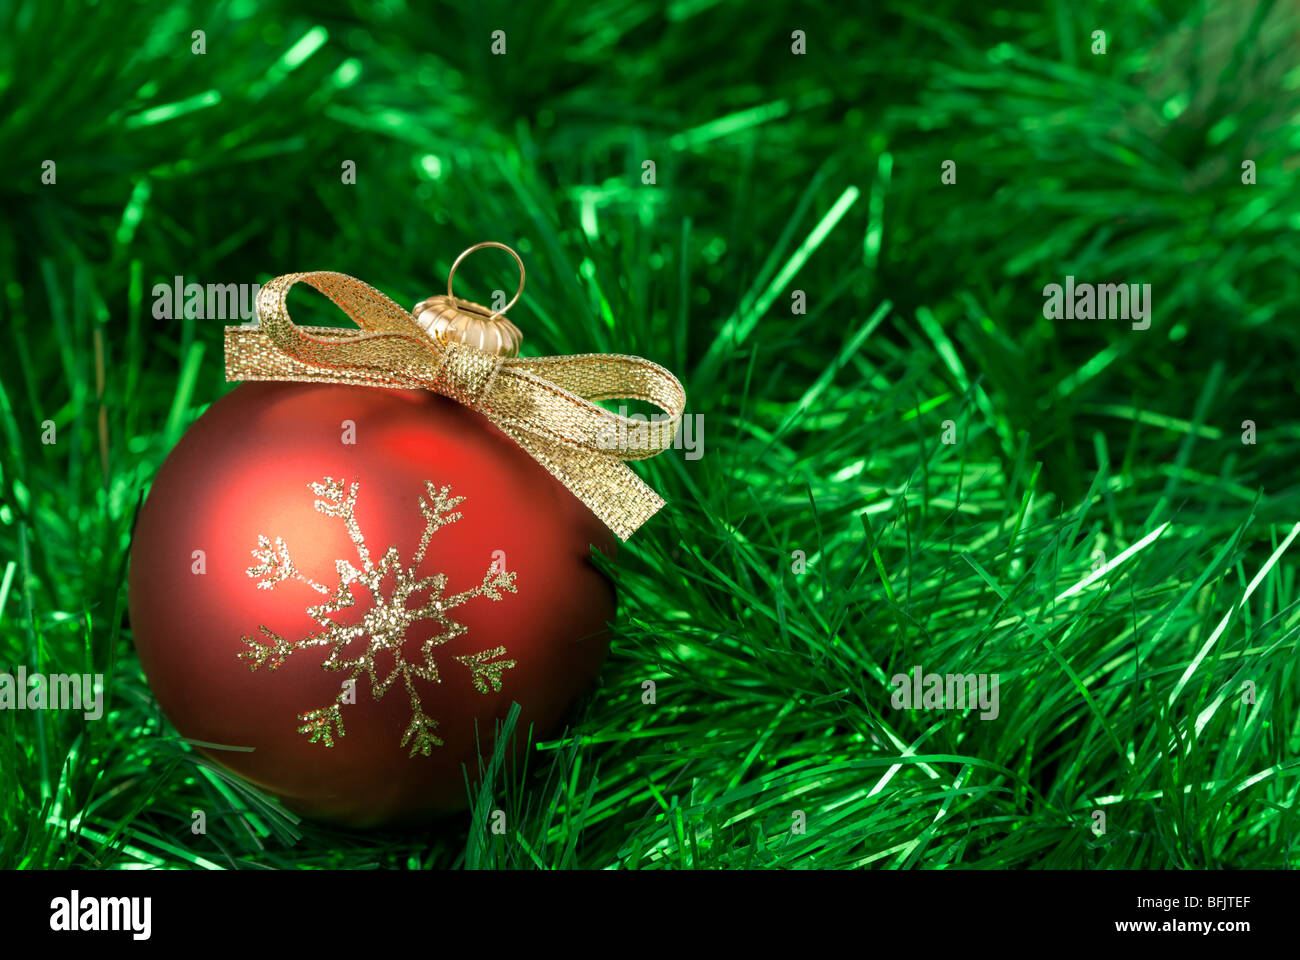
(1156, 685)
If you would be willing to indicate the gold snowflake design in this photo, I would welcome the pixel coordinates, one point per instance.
(386, 621)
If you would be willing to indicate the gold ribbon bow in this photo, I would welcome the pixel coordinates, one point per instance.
(543, 403)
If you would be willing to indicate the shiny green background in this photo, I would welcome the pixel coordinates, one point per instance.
(775, 172)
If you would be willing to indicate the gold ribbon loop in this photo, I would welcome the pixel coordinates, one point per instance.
(544, 404)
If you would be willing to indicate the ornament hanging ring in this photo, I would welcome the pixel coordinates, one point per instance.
(479, 246)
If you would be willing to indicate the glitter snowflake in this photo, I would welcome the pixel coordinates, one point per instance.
(385, 623)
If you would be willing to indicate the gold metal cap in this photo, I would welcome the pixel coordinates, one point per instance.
(450, 318)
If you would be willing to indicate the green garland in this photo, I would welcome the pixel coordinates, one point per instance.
(918, 476)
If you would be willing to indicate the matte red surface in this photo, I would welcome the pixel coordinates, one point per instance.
(242, 470)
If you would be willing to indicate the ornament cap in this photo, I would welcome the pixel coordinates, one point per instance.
(451, 318)
(448, 318)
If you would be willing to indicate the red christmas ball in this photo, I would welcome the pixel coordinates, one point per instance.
(355, 583)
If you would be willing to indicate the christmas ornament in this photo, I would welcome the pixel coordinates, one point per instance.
(337, 590)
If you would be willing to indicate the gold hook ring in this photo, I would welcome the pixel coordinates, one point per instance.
(479, 246)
